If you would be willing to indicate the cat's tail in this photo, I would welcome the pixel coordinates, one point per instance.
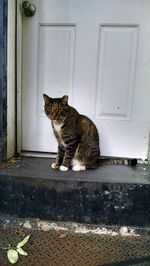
(111, 161)
(117, 161)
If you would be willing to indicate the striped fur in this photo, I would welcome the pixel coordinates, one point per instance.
(77, 136)
(117, 161)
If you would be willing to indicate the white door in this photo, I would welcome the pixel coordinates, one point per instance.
(98, 53)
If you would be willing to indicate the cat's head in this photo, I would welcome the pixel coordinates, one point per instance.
(56, 108)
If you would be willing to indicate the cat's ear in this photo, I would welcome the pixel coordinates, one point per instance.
(47, 99)
(65, 99)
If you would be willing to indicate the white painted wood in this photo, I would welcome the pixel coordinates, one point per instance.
(11, 78)
(118, 48)
(38, 154)
(97, 52)
(149, 150)
(55, 67)
(19, 51)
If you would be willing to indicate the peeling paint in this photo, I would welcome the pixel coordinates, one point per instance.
(83, 229)
(78, 228)
(143, 161)
(125, 231)
(106, 192)
(98, 231)
(46, 226)
(27, 225)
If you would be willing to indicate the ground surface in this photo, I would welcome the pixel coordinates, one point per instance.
(60, 248)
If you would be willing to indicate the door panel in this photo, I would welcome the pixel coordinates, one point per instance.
(116, 80)
(97, 52)
(56, 54)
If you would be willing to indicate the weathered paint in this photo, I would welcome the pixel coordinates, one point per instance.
(7, 221)
(11, 73)
(3, 79)
(149, 149)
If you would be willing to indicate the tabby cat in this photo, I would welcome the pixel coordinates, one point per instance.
(77, 136)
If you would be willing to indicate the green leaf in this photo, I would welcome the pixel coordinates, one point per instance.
(22, 252)
(12, 255)
(23, 242)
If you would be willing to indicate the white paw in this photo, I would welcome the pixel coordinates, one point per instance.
(54, 166)
(78, 168)
(63, 168)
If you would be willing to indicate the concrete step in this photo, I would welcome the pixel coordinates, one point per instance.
(110, 195)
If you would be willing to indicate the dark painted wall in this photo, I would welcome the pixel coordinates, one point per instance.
(3, 79)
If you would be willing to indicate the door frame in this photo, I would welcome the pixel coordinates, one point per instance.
(19, 72)
(11, 78)
(19, 84)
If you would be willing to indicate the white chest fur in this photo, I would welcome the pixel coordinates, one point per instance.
(57, 127)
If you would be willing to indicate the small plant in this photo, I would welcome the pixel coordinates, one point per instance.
(14, 252)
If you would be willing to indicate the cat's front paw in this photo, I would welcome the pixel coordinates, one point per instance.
(63, 168)
(55, 166)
